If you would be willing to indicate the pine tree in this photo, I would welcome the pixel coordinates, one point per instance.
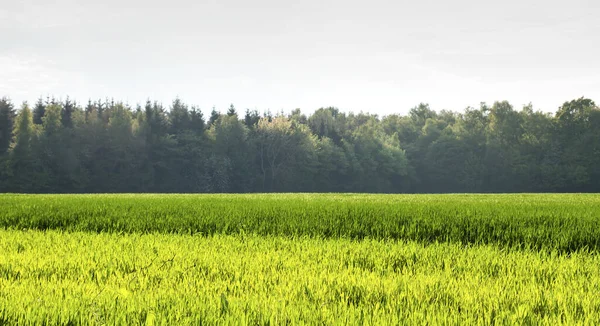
(7, 120)
(24, 131)
(179, 117)
(214, 116)
(231, 112)
(251, 118)
(39, 111)
(26, 169)
(197, 120)
(67, 113)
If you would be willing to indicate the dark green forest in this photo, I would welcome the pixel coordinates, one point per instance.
(106, 146)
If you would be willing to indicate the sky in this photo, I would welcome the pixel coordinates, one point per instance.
(376, 56)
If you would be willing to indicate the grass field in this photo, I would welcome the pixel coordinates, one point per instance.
(288, 259)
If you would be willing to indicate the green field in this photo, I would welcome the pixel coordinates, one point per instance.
(309, 259)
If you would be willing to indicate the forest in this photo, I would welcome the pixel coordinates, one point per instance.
(60, 146)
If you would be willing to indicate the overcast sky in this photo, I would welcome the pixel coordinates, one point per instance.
(377, 56)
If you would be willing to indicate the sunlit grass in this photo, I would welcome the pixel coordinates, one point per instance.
(299, 258)
(77, 277)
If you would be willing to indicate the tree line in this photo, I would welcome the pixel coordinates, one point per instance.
(106, 146)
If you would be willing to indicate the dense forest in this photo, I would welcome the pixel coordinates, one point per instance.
(107, 146)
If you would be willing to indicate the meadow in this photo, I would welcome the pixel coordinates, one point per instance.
(300, 259)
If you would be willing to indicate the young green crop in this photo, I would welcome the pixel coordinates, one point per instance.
(86, 278)
(550, 222)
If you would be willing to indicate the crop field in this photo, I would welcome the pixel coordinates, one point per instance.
(300, 259)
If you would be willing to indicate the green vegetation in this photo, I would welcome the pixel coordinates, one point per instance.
(551, 222)
(299, 258)
(109, 147)
(58, 278)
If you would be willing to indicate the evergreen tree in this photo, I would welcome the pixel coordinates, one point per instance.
(196, 120)
(251, 118)
(214, 115)
(27, 170)
(7, 120)
(39, 111)
(24, 131)
(231, 111)
(67, 113)
(179, 117)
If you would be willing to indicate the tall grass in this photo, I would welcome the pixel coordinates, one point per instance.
(551, 222)
(87, 278)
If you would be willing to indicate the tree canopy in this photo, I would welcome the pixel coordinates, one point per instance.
(107, 146)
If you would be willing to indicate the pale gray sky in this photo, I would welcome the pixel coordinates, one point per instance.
(378, 56)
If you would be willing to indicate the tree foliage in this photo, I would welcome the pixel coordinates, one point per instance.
(107, 146)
